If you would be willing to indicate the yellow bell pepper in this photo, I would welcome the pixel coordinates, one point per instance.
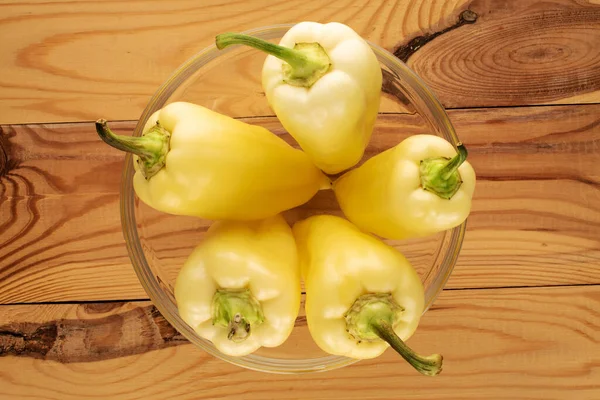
(361, 294)
(193, 161)
(323, 82)
(240, 288)
(419, 187)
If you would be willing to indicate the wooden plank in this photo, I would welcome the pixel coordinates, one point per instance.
(60, 231)
(65, 61)
(535, 218)
(537, 196)
(534, 343)
(74, 62)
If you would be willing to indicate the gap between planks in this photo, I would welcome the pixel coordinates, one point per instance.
(498, 288)
(381, 113)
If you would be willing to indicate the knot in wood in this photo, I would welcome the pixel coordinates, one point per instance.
(468, 16)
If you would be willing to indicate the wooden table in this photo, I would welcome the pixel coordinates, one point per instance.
(520, 318)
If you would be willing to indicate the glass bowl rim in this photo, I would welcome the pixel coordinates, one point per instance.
(152, 285)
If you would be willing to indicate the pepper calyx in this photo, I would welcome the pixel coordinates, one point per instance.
(308, 74)
(369, 307)
(440, 175)
(151, 148)
(238, 311)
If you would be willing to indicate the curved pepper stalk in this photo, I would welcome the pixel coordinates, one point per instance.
(152, 148)
(373, 316)
(304, 65)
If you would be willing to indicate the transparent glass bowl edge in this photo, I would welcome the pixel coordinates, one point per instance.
(430, 108)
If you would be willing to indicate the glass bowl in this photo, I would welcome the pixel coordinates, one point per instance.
(228, 82)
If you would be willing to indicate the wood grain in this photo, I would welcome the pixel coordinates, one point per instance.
(49, 74)
(514, 53)
(535, 343)
(509, 326)
(60, 228)
(535, 218)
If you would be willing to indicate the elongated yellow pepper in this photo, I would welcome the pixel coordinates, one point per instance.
(194, 161)
(419, 187)
(323, 82)
(240, 288)
(361, 294)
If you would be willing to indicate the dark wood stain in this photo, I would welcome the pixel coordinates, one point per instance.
(131, 332)
(404, 52)
(27, 339)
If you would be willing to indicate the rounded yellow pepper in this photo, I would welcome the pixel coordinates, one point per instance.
(240, 288)
(419, 187)
(361, 294)
(193, 161)
(323, 82)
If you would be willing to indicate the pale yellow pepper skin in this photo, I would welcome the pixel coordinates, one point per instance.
(328, 102)
(339, 263)
(333, 119)
(217, 167)
(385, 196)
(260, 256)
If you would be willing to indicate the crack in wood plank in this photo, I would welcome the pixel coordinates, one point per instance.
(403, 52)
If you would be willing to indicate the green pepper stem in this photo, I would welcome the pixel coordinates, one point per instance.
(128, 144)
(429, 365)
(151, 148)
(452, 166)
(373, 316)
(306, 62)
(295, 58)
